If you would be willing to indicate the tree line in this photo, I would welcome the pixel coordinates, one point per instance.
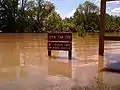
(19, 16)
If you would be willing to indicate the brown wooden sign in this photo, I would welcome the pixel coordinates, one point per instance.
(60, 37)
(60, 41)
(59, 46)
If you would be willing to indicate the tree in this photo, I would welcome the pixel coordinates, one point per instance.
(112, 23)
(41, 11)
(53, 22)
(40, 16)
(87, 16)
(8, 14)
(68, 25)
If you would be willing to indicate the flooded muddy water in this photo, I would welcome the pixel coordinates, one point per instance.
(25, 65)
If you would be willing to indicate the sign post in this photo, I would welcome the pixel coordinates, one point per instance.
(60, 41)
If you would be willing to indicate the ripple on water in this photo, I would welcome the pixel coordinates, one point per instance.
(25, 65)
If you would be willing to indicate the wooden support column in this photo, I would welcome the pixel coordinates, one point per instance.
(49, 52)
(102, 27)
(70, 54)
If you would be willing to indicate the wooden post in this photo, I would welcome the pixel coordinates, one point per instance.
(70, 54)
(49, 53)
(102, 27)
(100, 72)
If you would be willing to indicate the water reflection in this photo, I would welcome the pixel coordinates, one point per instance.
(24, 57)
(112, 62)
(18, 52)
(106, 69)
(7, 74)
(59, 68)
(100, 68)
(22, 73)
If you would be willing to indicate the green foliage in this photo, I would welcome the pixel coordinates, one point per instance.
(8, 14)
(40, 16)
(112, 24)
(53, 22)
(68, 25)
(81, 30)
(87, 18)
(28, 16)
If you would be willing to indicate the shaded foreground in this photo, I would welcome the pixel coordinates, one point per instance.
(24, 64)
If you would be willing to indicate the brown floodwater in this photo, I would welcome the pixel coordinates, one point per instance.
(25, 65)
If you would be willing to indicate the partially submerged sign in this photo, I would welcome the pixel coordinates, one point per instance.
(60, 41)
(59, 46)
(59, 36)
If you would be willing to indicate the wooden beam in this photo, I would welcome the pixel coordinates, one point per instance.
(112, 38)
(102, 27)
(112, 0)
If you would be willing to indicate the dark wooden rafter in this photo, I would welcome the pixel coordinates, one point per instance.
(112, 38)
(111, 0)
(102, 36)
